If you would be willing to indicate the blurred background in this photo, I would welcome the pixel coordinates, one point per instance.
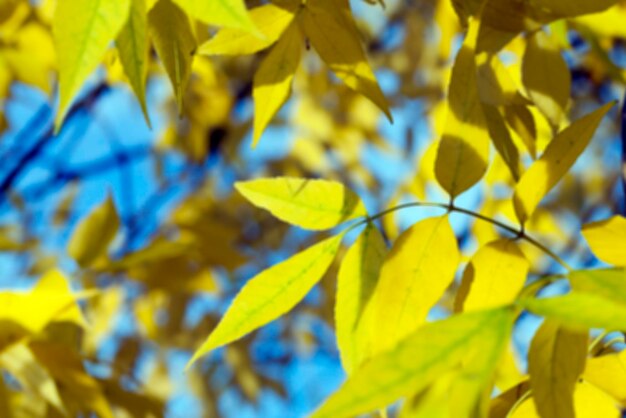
(186, 242)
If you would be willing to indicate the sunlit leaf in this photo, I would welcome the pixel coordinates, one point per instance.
(580, 311)
(308, 203)
(494, 276)
(356, 281)
(83, 31)
(414, 276)
(607, 283)
(463, 151)
(132, 44)
(557, 159)
(607, 239)
(556, 359)
(270, 19)
(608, 372)
(230, 13)
(425, 354)
(342, 51)
(272, 81)
(271, 293)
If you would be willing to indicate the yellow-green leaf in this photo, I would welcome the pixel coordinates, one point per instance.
(494, 276)
(271, 20)
(556, 359)
(607, 283)
(132, 44)
(308, 203)
(579, 310)
(414, 276)
(82, 32)
(271, 293)
(558, 158)
(356, 281)
(422, 357)
(175, 43)
(330, 28)
(229, 13)
(94, 233)
(546, 77)
(607, 239)
(273, 79)
(502, 140)
(463, 152)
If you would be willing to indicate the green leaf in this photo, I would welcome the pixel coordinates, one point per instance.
(272, 293)
(175, 43)
(270, 19)
(94, 233)
(82, 32)
(420, 359)
(273, 79)
(229, 13)
(414, 276)
(558, 158)
(356, 281)
(580, 311)
(556, 360)
(310, 204)
(607, 239)
(132, 44)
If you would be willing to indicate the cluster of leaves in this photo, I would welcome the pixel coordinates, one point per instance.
(508, 124)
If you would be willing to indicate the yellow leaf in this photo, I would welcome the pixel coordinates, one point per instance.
(132, 44)
(229, 13)
(566, 8)
(94, 233)
(421, 358)
(463, 152)
(24, 314)
(308, 203)
(414, 276)
(356, 281)
(271, 293)
(607, 239)
(579, 310)
(333, 33)
(502, 140)
(67, 368)
(175, 43)
(546, 77)
(23, 366)
(558, 158)
(608, 373)
(83, 31)
(273, 79)
(270, 19)
(556, 359)
(494, 276)
(589, 402)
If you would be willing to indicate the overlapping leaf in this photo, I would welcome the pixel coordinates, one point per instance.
(308, 203)
(421, 358)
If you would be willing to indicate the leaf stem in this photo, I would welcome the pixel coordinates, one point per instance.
(519, 233)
